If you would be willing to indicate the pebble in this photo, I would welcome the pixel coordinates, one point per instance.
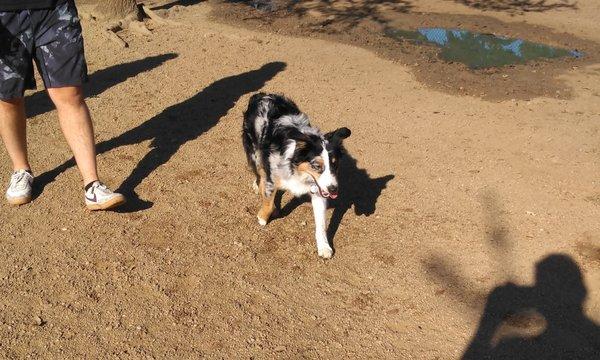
(280, 348)
(38, 321)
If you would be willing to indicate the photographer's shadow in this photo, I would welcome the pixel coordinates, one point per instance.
(506, 331)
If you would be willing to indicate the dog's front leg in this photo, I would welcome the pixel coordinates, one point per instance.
(268, 191)
(319, 205)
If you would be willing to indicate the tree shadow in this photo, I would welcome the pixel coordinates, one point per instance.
(170, 4)
(446, 272)
(39, 102)
(352, 13)
(329, 12)
(543, 321)
(357, 189)
(174, 127)
(519, 6)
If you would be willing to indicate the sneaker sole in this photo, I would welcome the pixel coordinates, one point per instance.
(19, 200)
(117, 201)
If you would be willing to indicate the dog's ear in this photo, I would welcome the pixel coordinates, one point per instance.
(336, 136)
(301, 143)
(301, 138)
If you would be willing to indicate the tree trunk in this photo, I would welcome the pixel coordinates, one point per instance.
(117, 9)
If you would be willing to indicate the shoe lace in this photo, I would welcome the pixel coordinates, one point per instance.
(100, 186)
(19, 180)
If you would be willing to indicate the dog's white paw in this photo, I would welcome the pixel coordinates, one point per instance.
(262, 222)
(325, 252)
(255, 187)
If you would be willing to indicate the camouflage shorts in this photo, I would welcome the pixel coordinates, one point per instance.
(50, 37)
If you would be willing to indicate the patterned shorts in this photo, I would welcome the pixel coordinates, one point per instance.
(50, 37)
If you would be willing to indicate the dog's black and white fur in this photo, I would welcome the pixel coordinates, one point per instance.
(286, 153)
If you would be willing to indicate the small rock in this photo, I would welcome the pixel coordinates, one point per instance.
(280, 348)
(38, 321)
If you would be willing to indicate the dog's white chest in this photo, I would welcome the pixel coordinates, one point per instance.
(295, 186)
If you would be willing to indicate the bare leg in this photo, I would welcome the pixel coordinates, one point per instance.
(319, 205)
(13, 132)
(76, 124)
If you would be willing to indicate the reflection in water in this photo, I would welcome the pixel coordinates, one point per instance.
(480, 51)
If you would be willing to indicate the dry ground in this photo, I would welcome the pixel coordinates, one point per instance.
(445, 197)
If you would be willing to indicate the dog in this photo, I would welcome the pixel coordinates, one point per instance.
(286, 153)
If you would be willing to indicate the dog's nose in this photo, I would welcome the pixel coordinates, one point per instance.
(332, 189)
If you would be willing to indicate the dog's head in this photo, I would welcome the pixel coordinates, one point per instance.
(316, 160)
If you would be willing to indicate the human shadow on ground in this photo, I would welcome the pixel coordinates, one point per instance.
(519, 6)
(175, 126)
(542, 321)
(357, 189)
(508, 328)
(39, 102)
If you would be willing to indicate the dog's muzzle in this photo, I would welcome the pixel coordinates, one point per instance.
(331, 191)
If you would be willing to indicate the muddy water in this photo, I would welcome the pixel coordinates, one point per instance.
(529, 62)
(480, 51)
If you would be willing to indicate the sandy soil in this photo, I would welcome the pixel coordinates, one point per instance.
(446, 195)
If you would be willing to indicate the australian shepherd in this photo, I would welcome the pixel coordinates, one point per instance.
(286, 153)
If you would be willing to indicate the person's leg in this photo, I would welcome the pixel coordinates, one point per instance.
(16, 75)
(59, 55)
(76, 125)
(13, 132)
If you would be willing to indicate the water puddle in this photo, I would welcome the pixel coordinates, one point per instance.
(479, 51)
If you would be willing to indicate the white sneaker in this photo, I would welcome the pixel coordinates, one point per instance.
(19, 190)
(99, 197)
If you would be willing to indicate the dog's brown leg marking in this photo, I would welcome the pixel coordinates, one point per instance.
(268, 202)
(268, 205)
(262, 182)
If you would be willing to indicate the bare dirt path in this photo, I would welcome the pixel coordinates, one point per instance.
(447, 196)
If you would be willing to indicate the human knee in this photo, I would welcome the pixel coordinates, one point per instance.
(11, 104)
(67, 98)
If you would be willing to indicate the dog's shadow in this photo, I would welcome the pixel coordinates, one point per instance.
(357, 189)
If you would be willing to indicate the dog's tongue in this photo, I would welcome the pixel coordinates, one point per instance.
(333, 196)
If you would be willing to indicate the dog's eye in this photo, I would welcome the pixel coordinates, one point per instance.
(316, 166)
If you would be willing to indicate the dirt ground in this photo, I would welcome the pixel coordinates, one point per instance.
(456, 183)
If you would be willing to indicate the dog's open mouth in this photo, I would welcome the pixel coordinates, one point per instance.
(316, 188)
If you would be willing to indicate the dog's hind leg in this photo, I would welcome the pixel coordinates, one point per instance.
(256, 182)
(252, 156)
(319, 205)
(268, 191)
